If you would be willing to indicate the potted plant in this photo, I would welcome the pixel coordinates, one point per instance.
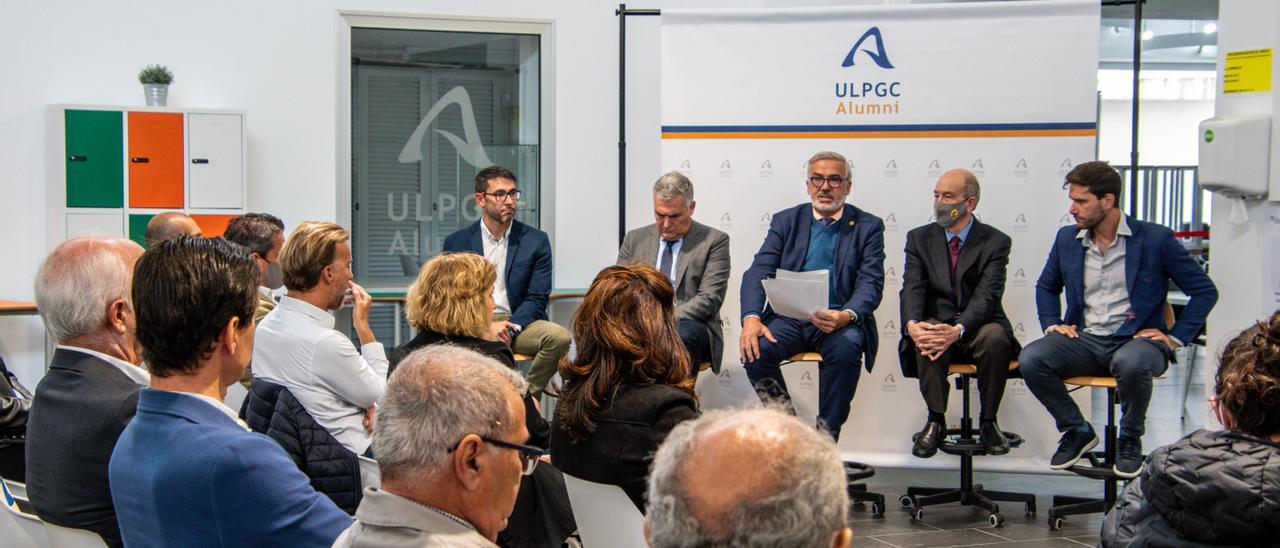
(155, 84)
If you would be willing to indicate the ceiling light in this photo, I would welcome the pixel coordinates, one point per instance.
(1210, 28)
(1147, 35)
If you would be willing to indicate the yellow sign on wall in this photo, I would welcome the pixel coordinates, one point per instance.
(1247, 71)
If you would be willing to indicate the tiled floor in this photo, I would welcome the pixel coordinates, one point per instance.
(955, 525)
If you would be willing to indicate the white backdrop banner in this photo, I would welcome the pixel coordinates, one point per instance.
(1006, 90)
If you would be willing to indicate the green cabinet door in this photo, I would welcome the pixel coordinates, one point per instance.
(95, 158)
(138, 227)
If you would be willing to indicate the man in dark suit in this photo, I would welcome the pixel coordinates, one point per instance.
(1116, 273)
(695, 257)
(91, 389)
(522, 256)
(186, 471)
(825, 234)
(951, 310)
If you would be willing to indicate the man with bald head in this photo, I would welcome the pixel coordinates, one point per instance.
(747, 478)
(170, 225)
(952, 288)
(90, 392)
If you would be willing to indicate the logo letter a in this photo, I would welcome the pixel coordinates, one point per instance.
(879, 55)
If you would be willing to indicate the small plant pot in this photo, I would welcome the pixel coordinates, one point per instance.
(157, 94)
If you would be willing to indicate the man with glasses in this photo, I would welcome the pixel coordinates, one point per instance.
(263, 235)
(450, 443)
(824, 234)
(522, 256)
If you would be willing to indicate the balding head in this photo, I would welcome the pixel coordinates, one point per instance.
(962, 182)
(170, 225)
(756, 477)
(82, 291)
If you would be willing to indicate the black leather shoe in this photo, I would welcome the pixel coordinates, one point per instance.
(993, 439)
(927, 440)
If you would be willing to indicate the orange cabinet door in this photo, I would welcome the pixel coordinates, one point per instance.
(212, 226)
(155, 160)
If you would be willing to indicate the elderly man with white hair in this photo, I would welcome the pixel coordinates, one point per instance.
(90, 392)
(747, 478)
(450, 440)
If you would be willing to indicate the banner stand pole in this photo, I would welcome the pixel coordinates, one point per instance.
(622, 12)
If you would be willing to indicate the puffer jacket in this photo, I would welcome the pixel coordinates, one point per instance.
(333, 469)
(1210, 488)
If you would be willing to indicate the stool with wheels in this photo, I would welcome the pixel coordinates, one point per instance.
(965, 443)
(1101, 463)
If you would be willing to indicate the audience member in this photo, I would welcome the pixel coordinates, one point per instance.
(451, 303)
(522, 256)
(1116, 272)
(15, 408)
(695, 257)
(91, 389)
(756, 478)
(829, 235)
(263, 235)
(186, 472)
(451, 446)
(170, 225)
(299, 349)
(1216, 487)
(629, 383)
(952, 288)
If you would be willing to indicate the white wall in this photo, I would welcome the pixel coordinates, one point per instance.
(277, 60)
(1166, 131)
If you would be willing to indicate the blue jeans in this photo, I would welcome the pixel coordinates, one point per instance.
(1133, 362)
(838, 372)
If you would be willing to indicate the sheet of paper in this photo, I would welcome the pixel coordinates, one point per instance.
(797, 294)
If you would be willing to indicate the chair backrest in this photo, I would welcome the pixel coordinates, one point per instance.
(66, 537)
(370, 473)
(605, 516)
(18, 525)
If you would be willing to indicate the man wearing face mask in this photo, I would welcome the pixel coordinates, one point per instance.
(847, 242)
(951, 309)
(263, 235)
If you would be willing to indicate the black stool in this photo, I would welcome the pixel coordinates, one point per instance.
(1101, 463)
(965, 442)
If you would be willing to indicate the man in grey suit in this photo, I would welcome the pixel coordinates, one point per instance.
(696, 259)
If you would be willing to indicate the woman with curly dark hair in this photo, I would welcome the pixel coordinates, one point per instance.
(1218, 487)
(628, 385)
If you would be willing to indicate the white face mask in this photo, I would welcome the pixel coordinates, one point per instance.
(275, 275)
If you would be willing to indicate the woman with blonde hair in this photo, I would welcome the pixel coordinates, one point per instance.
(450, 303)
(629, 383)
(1216, 487)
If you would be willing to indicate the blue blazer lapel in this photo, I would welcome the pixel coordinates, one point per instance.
(795, 259)
(848, 222)
(1133, 255)
(477, 241)
(513, 242)
(1073, 274)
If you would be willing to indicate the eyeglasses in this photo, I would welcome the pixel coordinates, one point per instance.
(502, 195)
(832, 181)
(528, 454)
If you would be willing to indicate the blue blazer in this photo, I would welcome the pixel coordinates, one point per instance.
(528, 267)
(859, 265)
(186, 474)
(1152, 257)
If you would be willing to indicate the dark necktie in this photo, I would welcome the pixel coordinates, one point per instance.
(665, 264)
(826, 221)
(953, 256)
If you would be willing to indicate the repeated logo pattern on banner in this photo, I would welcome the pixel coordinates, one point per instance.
(1006, 90)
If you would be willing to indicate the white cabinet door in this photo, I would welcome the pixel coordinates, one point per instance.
(108, 222)
(215, 164)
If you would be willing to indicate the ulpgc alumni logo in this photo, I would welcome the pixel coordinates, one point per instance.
(870, 96)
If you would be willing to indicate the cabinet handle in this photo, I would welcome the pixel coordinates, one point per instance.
(140, 160)
(199, 160)
(77, 158)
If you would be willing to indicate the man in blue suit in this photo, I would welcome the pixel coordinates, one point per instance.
(186, 471)
(522, 255)
(825, 234)
(1116, 273)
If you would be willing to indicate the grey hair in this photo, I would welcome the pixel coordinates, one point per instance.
(829, 155)
(78, 280)
(436, 396)
(806, 505)
(673, 184)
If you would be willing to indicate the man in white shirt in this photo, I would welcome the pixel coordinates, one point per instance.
(297, 346)
(91, 389)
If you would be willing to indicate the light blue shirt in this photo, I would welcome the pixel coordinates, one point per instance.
(675, 256)
(963, 234)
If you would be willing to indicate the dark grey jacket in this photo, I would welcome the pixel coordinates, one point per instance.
(1210, 488)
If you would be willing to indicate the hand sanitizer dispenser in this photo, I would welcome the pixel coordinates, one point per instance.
(1234, 155)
